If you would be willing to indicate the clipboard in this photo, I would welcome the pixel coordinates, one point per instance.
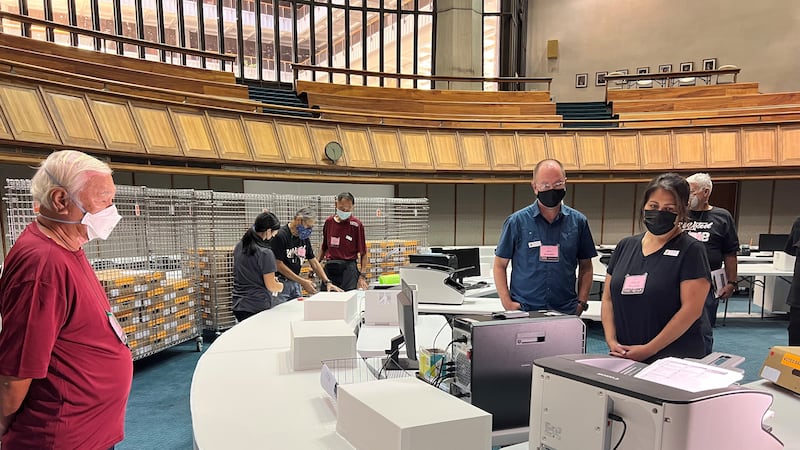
(719, 280)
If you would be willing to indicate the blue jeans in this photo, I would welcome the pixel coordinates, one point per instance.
(291, 290)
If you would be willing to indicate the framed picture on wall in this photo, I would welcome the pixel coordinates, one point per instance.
(710, 64)
(581, 80)
(687, 66)
(665, 68)
(643, 70)
(600, 78)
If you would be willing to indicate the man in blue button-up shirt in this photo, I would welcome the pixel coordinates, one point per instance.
(545, 242)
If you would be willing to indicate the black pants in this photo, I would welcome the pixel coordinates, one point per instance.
(241, 315)
(794, 325)
(343, 274)
(708, 320)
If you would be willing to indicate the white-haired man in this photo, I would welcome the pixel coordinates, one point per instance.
(292, 247)
(65, 369)
(714, 227)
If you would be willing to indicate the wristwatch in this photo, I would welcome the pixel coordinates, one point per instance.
(584, 305)
(733, 283)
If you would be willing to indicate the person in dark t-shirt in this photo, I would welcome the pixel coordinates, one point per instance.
(657, 282)
(792, 247)
(292, 247)
(254, 268)
(714, 227)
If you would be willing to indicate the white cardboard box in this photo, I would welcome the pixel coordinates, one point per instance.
(409, 414)
(783, 261)
(380, 307)
(331, 306)
(315, 341)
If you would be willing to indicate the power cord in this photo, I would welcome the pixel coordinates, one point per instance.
(389, 359)
(441, 373)
(617, 418)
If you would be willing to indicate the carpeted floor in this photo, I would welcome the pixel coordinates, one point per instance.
(158, 414)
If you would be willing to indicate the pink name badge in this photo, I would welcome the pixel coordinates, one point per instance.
(334, 241)
(548, 253)
(634, 284)
(117, 328)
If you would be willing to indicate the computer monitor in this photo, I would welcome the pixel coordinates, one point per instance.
(406, 317)
(433, 259)
(772, 242)
(468, 259)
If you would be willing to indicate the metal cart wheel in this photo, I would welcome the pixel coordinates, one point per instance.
(199, 342)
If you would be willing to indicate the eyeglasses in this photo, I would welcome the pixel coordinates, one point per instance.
(547, 186)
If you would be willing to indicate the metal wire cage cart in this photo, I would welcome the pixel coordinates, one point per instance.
(145, 266)
(394, 229)
(168, 266)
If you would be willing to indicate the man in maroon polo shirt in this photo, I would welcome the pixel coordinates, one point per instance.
(343, 244)
(65, 368)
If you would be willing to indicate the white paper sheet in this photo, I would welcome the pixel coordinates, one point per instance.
(688, 375)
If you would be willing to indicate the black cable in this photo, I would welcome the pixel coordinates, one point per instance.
(389, 359)
(617, 418)
(440, 330)
(441, 364)
(446, 372)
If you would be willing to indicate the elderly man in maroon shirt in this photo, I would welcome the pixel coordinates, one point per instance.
(343, 244)
(65, 368)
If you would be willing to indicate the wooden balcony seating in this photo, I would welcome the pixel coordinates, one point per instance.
(107, 66)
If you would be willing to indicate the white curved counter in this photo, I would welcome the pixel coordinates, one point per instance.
(245, 395)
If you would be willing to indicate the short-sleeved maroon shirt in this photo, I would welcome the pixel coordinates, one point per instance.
(56, 331)
(343, 240)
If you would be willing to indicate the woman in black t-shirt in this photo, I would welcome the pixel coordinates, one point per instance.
(254, 268)
(657, 282)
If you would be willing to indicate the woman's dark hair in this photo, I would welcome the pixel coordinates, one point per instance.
(265, 221)
(675, 185)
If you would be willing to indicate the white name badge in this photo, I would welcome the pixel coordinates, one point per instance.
(349, 238)
(634, 284)
(534, 244)
(548, 253)
(671, 252)
(117, 328)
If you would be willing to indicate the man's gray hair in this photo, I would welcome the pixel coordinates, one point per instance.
(305, 214)
(68, 169)
(702, 180)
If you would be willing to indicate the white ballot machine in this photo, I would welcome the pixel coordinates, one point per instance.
(596, 402)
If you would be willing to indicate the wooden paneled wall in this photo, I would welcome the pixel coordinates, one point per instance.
(61, 117)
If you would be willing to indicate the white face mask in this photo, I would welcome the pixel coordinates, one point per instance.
(101, 224)
(343, 215)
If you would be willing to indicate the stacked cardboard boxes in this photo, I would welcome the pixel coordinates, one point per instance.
(156, 309)
(386, 257)
(216, 284)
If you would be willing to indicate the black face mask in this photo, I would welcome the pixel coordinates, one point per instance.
(552, 198)
(659, 222)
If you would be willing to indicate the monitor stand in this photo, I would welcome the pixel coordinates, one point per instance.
(393, 361)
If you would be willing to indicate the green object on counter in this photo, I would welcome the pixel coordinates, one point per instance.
(389, 279)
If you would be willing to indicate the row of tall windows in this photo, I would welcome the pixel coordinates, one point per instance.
(267, 36)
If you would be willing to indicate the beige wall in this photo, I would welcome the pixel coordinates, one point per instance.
(473, 214)
(612, 209)
(760, 37)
